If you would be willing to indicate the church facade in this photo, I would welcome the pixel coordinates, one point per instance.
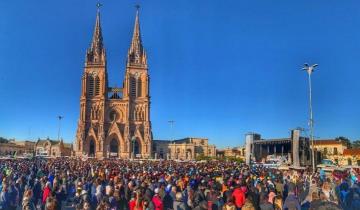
(114, 122)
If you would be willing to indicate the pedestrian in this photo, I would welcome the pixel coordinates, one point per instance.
(4, 198)
(27, 202)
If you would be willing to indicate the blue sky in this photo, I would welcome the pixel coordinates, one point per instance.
(218, 68)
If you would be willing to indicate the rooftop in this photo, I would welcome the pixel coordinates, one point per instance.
(355, 151)
(328, 141)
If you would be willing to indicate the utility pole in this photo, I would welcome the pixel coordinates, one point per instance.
(171, 122)
(60, 118)
(310, 70)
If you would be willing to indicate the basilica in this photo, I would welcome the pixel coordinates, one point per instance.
(114, 122)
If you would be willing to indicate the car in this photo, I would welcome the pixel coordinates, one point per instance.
(327, 165)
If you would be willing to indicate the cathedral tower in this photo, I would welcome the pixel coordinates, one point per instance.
(114, 122)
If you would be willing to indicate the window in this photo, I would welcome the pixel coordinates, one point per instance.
(325, 150)
(335, 151)
(91, 86)
(132, 87)
(113, 115)
(349, 162)
(97, 86)
(139, 88)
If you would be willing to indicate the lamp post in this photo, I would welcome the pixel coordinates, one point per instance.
(310, 69)
(60, 118)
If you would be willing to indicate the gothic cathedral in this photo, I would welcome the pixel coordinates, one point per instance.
(114, 122)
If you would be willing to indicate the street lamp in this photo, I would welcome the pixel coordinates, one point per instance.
(60, 118)
(310, 70)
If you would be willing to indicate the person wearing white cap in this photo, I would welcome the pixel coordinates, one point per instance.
(158, 204)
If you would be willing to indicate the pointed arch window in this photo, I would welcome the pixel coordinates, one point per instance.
(91, 86)
(139, 84)
(97, 86)
(133, 87)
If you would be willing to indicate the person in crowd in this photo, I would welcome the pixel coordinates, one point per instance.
(46, 192)
(4, 197)
(239, 197)
(278, 202)
(158, 203)
(264, 202)
(178, 203)
(248, 205)
(291, 201)
(28, 202)
(229, 205)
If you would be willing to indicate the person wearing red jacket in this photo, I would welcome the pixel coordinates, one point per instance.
(239, 197)
(46, 193)
(158, 204)
(136, 202)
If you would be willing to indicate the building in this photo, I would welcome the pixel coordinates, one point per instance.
(296, 149)
(13, 147)
(28, 146)
(114, 121)
(235, 152)
(183, 149)
(337, 151)
(329, 147)
(52, 148)
(45, 147)
(350, 157)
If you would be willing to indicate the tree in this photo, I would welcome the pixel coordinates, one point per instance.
(3, 140)
(344, 140)
(355, 144)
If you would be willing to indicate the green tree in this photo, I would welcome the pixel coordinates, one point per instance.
(355, 144)
(345, 140)
(3, 140)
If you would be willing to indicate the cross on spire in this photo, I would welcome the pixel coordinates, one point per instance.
(98, 5)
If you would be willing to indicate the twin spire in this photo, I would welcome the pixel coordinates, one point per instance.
(136, 54)
(96, 53)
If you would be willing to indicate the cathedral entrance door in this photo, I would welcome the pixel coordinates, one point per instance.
(136, 148)
(114, 148)
(92, 148)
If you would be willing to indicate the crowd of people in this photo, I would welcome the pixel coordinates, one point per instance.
(70, 183)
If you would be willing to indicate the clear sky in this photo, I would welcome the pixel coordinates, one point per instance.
(218, 68)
